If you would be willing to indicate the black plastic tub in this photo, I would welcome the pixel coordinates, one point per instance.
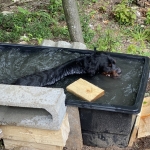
(104, 122)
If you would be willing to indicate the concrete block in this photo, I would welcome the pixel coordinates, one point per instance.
(78, 45)
(48, 43)
(74, 141)
(63, 44)
(48, 106)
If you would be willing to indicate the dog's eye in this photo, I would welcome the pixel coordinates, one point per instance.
(110, 65)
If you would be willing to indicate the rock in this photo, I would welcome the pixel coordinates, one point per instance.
(7, 12)
(138, 14)
(147, 94)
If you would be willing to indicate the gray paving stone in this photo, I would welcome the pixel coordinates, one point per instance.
(63, 44)
(48, 43)
(78, 45)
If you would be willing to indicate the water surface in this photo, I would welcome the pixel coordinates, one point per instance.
(121, 91)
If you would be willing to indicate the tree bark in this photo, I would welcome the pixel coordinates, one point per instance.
(73, 20)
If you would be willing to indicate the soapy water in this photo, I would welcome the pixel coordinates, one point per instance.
(119, 91)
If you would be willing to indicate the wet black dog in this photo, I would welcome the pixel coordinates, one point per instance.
(90, 65)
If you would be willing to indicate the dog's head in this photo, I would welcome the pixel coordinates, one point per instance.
(110, 69)
(100, 63)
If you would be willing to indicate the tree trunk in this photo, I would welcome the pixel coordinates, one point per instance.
(73, 20)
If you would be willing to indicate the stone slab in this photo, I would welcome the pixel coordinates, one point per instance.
(20, 145)
(78, 45)
(63, 44)
(48, 43)
(74, 45)
(40, 136)
(74, 141)
(48, 106)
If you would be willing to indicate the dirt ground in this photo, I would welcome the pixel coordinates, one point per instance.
(139, 144)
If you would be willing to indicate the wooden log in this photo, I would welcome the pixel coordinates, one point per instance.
(144, 127)
(135, 130)
(55, 137)
(145, 112)
(142, 124)
(20, 145)
(85, 90)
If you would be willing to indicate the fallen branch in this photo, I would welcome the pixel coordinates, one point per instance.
(17, 2)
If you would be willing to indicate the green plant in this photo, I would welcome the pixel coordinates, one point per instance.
(92, 13)
(148, 17)
(94, 1)
(132, 49)
(107, 41)
(147, 31)
(61, 32)
(124, 14)
(137, 49)
(55, 8)
(23, 11)
(138, 33)
(85, 3)
(88, 33)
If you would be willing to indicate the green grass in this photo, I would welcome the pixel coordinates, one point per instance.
(35, 25)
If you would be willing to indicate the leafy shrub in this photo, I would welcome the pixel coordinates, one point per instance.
(148, 17)
(107, 41)
(124, 14)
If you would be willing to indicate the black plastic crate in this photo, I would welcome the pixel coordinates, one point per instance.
(105, 128)
(104, 122)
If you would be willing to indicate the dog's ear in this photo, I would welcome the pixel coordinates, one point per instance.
(111, 60)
